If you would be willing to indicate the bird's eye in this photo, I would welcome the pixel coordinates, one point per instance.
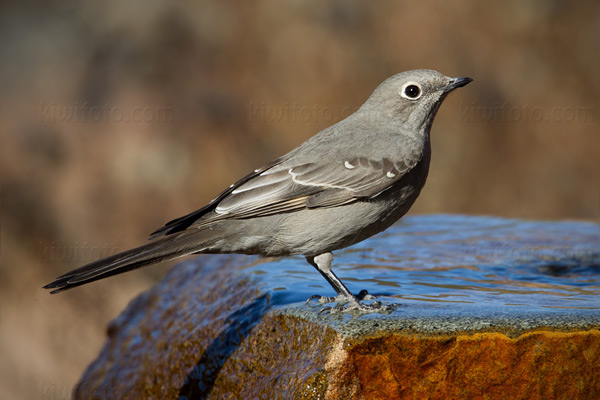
(411, 91)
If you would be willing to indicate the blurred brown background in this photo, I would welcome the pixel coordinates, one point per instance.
(117, 117)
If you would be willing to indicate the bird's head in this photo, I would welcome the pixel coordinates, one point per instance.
(412, 97)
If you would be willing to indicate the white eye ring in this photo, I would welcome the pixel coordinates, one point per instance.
(411, 91)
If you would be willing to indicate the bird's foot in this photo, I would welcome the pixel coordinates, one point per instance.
(351, 304)
(363, 295)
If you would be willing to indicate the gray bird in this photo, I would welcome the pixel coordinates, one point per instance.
(341, 186)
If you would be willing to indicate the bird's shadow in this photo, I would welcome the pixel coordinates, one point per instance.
(201, 378)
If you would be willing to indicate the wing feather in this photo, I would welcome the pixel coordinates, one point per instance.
(285, 188)
(281, 187)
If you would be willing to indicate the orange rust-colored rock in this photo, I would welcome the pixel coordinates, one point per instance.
(536, 365)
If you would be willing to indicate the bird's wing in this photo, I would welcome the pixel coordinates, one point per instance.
(280, 188)
(285, 188)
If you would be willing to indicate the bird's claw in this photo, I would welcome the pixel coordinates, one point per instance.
(350, 304)
(320, 300)
(364, 295)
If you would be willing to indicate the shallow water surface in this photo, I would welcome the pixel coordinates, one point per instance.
(462, 264)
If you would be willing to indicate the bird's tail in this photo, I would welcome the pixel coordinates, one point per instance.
(163, 249)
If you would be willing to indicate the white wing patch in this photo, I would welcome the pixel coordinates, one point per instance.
(253, 184)
(312, 183)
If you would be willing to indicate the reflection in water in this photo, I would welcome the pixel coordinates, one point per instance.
(460, 260)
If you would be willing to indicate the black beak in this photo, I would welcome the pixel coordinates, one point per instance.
(456, 83)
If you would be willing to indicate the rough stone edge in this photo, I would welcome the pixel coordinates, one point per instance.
(513, 326)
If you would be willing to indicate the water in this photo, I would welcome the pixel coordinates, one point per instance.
(465, 264)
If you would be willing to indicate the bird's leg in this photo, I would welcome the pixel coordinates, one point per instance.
(322, 263)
